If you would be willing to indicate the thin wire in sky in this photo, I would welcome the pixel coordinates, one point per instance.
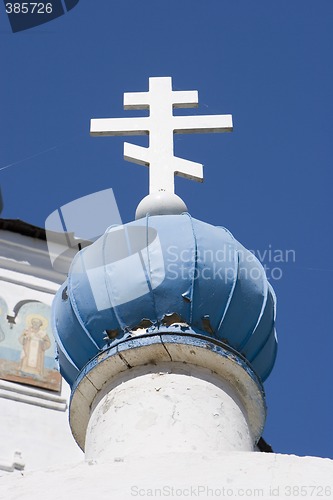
(28, 158)
(40, 153)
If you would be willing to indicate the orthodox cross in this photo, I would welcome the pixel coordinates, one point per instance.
(161, 124)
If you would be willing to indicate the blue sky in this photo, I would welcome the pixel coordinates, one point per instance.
(269, 182)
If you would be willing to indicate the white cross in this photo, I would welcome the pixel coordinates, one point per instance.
(161, 125)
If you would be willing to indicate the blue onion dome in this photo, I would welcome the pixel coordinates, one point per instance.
(158, 273)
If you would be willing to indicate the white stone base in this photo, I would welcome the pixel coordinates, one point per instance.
(179, 408)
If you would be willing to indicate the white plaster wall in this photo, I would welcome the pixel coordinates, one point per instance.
(42, 435)
(15, 287)
(181, 475)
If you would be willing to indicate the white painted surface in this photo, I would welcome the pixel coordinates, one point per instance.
(178, 408)
(179, 475)
(42, 435)
(161, 125)
(34, 428)
(15, 287)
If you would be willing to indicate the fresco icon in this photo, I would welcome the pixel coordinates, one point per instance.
(35, 341)
(27, 347)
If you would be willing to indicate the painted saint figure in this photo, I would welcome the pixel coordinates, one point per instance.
(35, 342)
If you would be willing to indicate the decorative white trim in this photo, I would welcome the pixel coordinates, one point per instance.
(29, 395)
(27, 256)
(31, 286)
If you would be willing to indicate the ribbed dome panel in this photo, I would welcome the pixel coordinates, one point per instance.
(163, 269)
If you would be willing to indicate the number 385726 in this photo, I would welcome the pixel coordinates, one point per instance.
(28, 8)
